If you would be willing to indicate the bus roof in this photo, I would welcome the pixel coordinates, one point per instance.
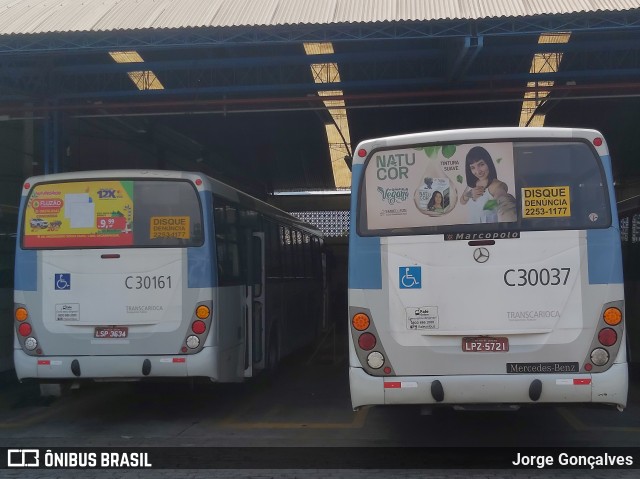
(476, 134)
(215, 186)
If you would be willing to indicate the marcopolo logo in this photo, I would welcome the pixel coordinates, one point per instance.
(23, 458)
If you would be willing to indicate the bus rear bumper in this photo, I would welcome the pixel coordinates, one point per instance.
(115, 367)
(609, 387)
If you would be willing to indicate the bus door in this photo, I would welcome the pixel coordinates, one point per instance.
(255, 337)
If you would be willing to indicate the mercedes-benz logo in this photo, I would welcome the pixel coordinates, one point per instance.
(481, 255)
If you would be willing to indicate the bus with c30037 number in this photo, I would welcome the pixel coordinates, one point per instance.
(485, 270)
(126, 275)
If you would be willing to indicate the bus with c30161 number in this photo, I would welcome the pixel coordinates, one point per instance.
(126, 275)
(485, 270)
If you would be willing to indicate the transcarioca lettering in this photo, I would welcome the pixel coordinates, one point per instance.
(532, 314)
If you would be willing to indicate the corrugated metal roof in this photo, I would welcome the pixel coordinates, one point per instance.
(46, 16)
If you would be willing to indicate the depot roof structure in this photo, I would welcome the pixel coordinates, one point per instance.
(277, 93)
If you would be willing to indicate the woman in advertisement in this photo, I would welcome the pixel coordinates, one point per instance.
(487, 197)
(436, 203)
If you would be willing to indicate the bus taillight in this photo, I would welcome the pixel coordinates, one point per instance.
(21, 314)
(198, 327)
(367, 341)
(599, 356)
(375, 360)
(24, 329)
(612, 316)
(361, 321)
(607, 337)
(30, 343)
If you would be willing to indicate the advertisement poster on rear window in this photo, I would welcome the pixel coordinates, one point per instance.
(440, 185)
(78, 214)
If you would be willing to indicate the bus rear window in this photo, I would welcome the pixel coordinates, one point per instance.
(469, 187)
(112, 213)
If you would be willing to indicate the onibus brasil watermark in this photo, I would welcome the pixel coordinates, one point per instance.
(36, 458)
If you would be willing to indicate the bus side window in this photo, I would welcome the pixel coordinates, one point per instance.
(285, 251)
(228, 253)
(272, 252)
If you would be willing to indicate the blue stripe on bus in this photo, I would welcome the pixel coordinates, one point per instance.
(365, 270)
(603, 246)
(25, 277)
(604, 256)
(201, 261)
(608, 171)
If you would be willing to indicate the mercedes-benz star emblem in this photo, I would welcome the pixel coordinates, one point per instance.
(481, 255)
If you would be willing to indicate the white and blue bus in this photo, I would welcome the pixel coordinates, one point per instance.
(126, 274)
(485, 270)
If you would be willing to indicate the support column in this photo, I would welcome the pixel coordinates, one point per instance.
(28, 146)
(52, 142)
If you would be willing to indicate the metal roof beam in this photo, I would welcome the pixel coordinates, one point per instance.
(251, 62)
(251, 35)
(352, 86)
(45, 79)
(271, 82)
(155, 104)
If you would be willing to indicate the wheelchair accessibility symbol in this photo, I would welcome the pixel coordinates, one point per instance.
(62, 281)
(410, 277)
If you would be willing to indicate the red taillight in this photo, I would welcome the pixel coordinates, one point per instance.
(362, 152)
(198, 327)
(588, 367)
(367, 341)
(24, 329)
(597, 141)
(607, 337)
